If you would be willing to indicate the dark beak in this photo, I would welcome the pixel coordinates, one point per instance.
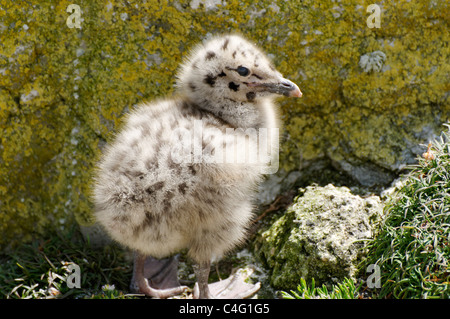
(283, 87)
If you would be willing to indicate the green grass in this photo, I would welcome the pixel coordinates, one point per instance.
(347, 289)
(412, 247)
(40, 269)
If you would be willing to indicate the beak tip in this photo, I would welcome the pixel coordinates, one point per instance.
(296, 93)
(293, 89)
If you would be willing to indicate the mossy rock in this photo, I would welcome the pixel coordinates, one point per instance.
(64, 91)
(321, 236)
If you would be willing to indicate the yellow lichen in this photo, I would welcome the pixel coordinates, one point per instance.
(64, 91)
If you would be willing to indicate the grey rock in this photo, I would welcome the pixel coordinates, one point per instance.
(321, 236)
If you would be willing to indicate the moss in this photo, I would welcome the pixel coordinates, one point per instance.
(64, 91)
(319, 237)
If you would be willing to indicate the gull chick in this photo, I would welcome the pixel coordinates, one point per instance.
(182, 173)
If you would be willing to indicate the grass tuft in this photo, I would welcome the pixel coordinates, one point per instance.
(40, 269)
(412, 247)
(347, 289)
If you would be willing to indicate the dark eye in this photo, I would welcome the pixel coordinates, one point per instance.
(243, 71)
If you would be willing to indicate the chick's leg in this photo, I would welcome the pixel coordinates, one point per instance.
(155, 278)
(202, 273)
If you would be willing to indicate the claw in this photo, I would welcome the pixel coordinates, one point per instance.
(162, 274)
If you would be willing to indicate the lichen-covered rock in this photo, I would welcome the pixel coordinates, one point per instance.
(63, 91)
(320, 236)
(367, 118)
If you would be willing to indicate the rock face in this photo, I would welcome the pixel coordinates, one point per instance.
(371, 96)
(320, 236)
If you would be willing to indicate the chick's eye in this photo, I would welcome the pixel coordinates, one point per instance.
(243, 71)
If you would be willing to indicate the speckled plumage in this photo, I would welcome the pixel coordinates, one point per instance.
(153, 204)
(156, 203)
